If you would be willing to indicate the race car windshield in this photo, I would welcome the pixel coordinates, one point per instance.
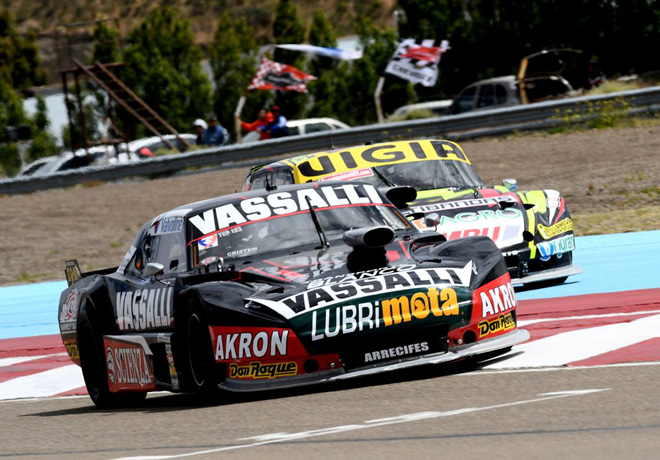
(293, 231)
(427, 175)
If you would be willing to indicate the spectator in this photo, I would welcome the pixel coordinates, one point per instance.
(277, 127)
(200, 127)
(215, 134)
(263, 119)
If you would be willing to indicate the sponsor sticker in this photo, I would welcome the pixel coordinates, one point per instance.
(237, 344)
(460, 204)
(348, 175)
(129, 367)
(209, 241)
(69, 312)
(559, 246)
(72, 351)
(495, 297)
(166, 225)
(500, 324)
(396, 352)
(257, 370)
(348, 319)
(335, 290)
(563, 226)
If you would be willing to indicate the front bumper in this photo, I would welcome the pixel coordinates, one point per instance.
(464, 351)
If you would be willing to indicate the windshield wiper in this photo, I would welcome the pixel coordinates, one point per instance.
(382, 177)
(317, 224)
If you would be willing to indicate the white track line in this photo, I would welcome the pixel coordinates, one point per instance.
(568, 347)
(47, 383)
(524, 323)
(22, 359)
(273, 438)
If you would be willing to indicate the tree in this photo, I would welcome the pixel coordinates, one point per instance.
(19, 58)
(11, 114)
(43, 143)
(288, 28)
(233, 54)
(163, 67)
(106, 44)
(330, 91)
(378, 47)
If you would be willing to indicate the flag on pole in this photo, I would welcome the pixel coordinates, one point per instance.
(273, 75)
(417, 62)
(337, 53)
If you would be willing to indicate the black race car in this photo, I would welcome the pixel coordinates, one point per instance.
(283, 287)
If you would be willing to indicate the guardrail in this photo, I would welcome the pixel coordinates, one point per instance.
(456, 127)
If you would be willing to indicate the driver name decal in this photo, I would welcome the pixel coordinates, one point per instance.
(281, 203)
(144, 309)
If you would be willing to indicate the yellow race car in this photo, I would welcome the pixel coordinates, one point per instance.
(533, 229)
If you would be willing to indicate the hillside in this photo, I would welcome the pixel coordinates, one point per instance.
(48, 18)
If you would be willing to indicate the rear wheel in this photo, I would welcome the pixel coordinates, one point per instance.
(92, 361)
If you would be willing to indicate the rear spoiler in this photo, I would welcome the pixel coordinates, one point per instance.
(73, 273)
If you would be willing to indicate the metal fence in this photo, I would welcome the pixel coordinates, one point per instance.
(456, 127)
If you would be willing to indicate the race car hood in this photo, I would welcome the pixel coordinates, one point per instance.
(333, 308)
(476, 212)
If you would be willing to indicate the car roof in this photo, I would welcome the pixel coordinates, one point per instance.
(147, 141)
(422, 106)
(309, 121)
(504, 79)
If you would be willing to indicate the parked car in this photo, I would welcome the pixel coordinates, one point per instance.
(279, 288)
(541, 76)
(100, 155)
(533, 229)
(304, 126)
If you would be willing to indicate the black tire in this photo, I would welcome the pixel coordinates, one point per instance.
(92, 361)
(199, 370)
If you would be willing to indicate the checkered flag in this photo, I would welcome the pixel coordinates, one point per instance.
(417, 62)
(273, 75)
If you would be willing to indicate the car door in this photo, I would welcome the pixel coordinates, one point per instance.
(143, 302)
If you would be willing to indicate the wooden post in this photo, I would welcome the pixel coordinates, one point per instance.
(237, 118)
(379, 91)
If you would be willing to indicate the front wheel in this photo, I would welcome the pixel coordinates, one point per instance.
(92, 361)
(196, 352)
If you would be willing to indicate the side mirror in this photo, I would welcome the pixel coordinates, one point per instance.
(432, 220)
(510, 184)
(154, 269)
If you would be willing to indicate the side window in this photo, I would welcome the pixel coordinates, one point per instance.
(169, 250)
(316, 128)
(294, 130)
(486, 96)
(500, 94)
(465, 100)
(282, 176)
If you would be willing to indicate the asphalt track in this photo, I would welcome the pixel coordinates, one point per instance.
(584, 386)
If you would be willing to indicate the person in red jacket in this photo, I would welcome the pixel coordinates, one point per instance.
(263, 119)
